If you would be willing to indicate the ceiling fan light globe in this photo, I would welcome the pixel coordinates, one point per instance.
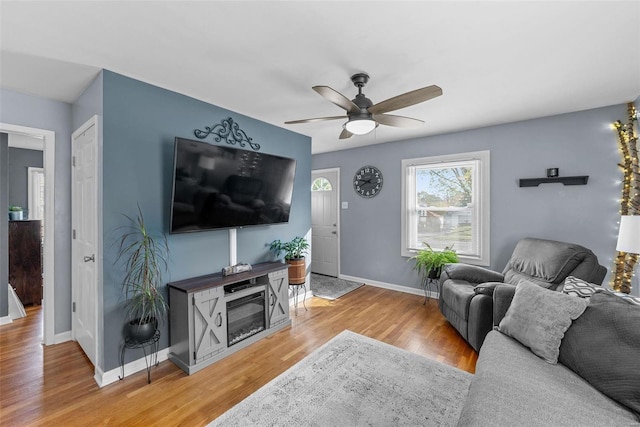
(360, 126)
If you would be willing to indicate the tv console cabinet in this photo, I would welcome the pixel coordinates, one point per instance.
(198, 317)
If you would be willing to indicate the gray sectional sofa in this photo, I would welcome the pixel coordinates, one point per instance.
(513, 386)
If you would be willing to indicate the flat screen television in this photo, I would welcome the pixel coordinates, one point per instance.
(225, 187)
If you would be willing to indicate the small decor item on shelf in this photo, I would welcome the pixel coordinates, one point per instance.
(145, 259)
(553, 172)
(15, 213)
(294, 252)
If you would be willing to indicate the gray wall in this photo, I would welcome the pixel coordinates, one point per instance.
(20, 160)
(4, 225)
(580, 143)
(32, 111)
(88, 104)
(140, 123)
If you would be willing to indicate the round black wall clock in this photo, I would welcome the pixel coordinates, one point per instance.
(367, 181)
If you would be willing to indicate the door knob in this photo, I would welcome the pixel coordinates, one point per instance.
(90, 258)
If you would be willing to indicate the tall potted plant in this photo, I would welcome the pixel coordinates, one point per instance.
(144, 257)
(294, 252)
(429, 262)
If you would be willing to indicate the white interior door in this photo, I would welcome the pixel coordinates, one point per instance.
(325, 222)
(84, 246)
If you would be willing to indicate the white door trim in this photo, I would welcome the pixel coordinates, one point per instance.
(98, 328)
(48, 264)
(338, 206)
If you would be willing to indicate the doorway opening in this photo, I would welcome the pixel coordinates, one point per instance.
(47, 138)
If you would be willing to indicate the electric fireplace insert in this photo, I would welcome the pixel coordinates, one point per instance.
(246, 316)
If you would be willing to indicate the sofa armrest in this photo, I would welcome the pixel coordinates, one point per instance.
(502, 297)
(470, 273)
(486, 288)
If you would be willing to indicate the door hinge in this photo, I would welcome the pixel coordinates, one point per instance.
(195, 356)
(73, 160)
(73, 307)
(74, 234)
(193, 300)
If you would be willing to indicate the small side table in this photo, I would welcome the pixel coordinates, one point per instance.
(150, 359)
(295, 290)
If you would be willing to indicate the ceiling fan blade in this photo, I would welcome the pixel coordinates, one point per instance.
(406, 99)
(345, 134)
(397, 121)
(316, 119)
(337, 98)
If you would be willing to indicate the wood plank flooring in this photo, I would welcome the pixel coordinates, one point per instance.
(54, 386)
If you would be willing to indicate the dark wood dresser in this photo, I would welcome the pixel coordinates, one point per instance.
(25, 260)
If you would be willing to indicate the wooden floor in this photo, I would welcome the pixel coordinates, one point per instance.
(54, 385)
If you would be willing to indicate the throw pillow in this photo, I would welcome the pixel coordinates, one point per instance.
(538, 318)
(603, 347)
(579, 288)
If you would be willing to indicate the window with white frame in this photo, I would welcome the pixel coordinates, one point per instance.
(445, 204)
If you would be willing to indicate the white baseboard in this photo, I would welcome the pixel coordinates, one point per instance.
(390, 286)
(63, 337)
(5, 320)
(106, 378)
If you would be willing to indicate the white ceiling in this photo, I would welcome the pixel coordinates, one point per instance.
(496, 62)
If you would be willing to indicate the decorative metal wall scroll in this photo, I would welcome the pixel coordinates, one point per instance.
(229, 132)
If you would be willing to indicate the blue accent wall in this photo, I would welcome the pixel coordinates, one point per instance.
(140, 123)
(580, 143)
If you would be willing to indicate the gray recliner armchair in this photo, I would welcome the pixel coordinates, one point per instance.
(466, 291)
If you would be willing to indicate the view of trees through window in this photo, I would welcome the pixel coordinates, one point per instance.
(444, 186)
(444, 196)
(446, 205)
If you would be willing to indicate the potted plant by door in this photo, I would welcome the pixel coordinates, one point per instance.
(144, 257)
(294, 252)
(15, 213)
(429, 262)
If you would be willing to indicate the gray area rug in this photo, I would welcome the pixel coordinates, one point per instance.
(353, 380)
(331, 287)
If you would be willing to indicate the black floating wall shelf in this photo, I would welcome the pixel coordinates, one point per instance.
(566, 180)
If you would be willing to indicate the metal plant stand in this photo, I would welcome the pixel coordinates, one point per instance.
(428, 290)
(295, 290)
(151, 359)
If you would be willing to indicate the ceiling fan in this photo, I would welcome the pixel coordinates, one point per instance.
(363, 115)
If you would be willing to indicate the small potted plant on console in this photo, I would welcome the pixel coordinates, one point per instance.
(294, 252)
(145, 259)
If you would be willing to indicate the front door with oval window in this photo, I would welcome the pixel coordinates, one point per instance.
(324, 222)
